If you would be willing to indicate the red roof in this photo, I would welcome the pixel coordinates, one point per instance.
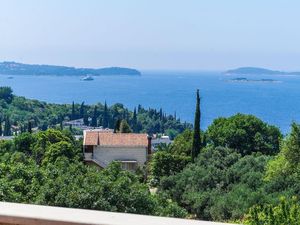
(115, 139)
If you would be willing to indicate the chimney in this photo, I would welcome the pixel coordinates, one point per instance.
(149, 145)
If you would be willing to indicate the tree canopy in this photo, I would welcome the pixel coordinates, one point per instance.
(245, 133)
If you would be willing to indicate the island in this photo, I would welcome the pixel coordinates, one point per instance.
(14, 68)
(258, 71)
(244, 79)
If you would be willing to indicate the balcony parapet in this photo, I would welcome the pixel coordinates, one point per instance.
(25, 214)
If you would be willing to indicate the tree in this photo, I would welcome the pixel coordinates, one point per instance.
(117, 126)
(283, 172)
(81, 111)
(1, 127)
(24, 142)
(73, 116)
(286, 212)
(86, 120)
(164, 163)
(94, 117)
(134, 121)
(245, 133)
(7, 127)
(105, 116)
(221, 185)
(29, 127)
(196, 138)
(6, 94)
(124, 127)
(183, 144)
(291, 149)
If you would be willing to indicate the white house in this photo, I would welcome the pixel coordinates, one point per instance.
(158, 140)
(104, 147)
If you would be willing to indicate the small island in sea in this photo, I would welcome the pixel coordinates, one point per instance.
(14, 68)
(243, 79)
(258, 71)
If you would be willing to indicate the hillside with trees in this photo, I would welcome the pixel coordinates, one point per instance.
(14, 68)
(21, 113)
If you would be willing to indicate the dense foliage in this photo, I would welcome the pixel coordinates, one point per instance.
(46, 168)
(244, 164)
(20, 112)
(245, 133)
(286, 212)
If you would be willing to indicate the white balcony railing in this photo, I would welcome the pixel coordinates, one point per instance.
(23, 214)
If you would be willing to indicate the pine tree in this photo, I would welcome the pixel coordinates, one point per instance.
(196, 138)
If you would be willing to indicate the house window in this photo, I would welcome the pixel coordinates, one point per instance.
(132, 165)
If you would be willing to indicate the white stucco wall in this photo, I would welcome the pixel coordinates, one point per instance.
(109, 154)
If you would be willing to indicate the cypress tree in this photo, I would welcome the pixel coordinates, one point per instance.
(139, 108)
(85, 120)
(61, 125)
(134, 120)
(29, 127)
(1, 127)
(117, 126)
(94, 118)
(105, 116)
(7, 127)
(124, 115)
(160, 114)
(81, 111)
(196, 138)
(73, 111)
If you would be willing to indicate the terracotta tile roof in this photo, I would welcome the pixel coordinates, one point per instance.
(91, 138)
(115, 139)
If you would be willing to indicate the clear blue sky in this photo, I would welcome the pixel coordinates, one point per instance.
(152, 34)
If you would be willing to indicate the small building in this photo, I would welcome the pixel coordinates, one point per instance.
(158, 140)
(103, 147)
(74, 123)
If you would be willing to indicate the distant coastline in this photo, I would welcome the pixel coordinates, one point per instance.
(257, 71)
(243, 79)
(14, 68)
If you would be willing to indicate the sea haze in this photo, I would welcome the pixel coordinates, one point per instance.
(275, 102)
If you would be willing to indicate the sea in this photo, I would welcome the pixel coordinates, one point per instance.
(277, 102)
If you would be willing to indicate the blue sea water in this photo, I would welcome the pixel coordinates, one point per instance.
(277, 103)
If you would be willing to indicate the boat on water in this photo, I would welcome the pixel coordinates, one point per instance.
(10, 77)
(87, 78)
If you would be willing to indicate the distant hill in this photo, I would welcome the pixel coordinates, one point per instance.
(258, 71)
(13, 68)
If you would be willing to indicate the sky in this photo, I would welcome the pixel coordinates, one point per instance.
(152, 34)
